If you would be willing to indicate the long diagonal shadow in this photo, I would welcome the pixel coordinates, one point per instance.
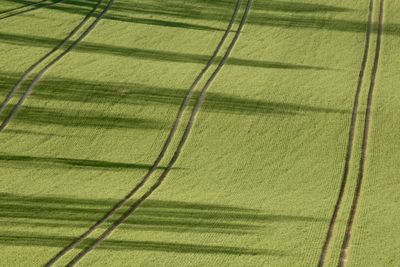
(21, 162)
(147, 54)
(70, 90)
(29, 8)
(161, 13)
(35, 212)
(29, 239)
(156, 215)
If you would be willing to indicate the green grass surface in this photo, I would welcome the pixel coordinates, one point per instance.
(259, 175)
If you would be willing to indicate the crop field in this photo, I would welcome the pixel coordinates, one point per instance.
(199, 133)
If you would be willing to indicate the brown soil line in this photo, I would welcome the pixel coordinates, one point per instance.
(356, 199)
(350, 141)
(178, 151)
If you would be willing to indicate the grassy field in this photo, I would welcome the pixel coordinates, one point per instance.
(199, 133)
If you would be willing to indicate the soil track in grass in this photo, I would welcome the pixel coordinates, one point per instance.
(350, 141)
(38, 77)
(178, 151)
(167, 142)
(32, 68)
(356, 199)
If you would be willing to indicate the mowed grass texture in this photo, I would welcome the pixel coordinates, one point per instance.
(258, 177)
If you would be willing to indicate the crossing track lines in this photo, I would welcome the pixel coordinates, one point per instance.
(350, 141)
(38, 77)
(350, 222)
(167, 142)
(178, 151)
(27, 8)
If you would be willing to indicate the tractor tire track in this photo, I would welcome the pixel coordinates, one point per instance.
(167, 143)
(360, 180)
(178, 151)
(351, 136)
(38, 77)
(30, 70)
(34, 7)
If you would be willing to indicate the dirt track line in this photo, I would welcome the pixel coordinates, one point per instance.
(30, 70)
(31, 9)
(346, 241)
(350, 141)
(18, 106)
(178, 151)
(168, 141)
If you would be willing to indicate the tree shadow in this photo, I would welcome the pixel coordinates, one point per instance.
(22, 162)
(120, 12)
(72, 90)
(38, 133)
(30, 239)
(22, 5)
(28, 7)
(82, 119)
(148, 54)
(39, 213)
(180, 14)
(272, 13)
(304, 22)
(202, 10)
(167, 12)
(154, 215)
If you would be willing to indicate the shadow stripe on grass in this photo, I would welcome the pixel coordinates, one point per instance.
(33, 67)
(35, 6)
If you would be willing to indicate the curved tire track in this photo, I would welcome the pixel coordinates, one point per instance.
(178, 151)
(350, 141)
(346, 241)
(38, 77)
(30, 70)
(168, 141)
(28, 10)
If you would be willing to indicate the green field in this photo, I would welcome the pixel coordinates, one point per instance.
(199, 133)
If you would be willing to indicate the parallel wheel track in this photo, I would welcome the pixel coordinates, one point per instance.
(31, 69)
(360, 180)
(46, 68)
(178, 151)
(167, 143)
(350, 141)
